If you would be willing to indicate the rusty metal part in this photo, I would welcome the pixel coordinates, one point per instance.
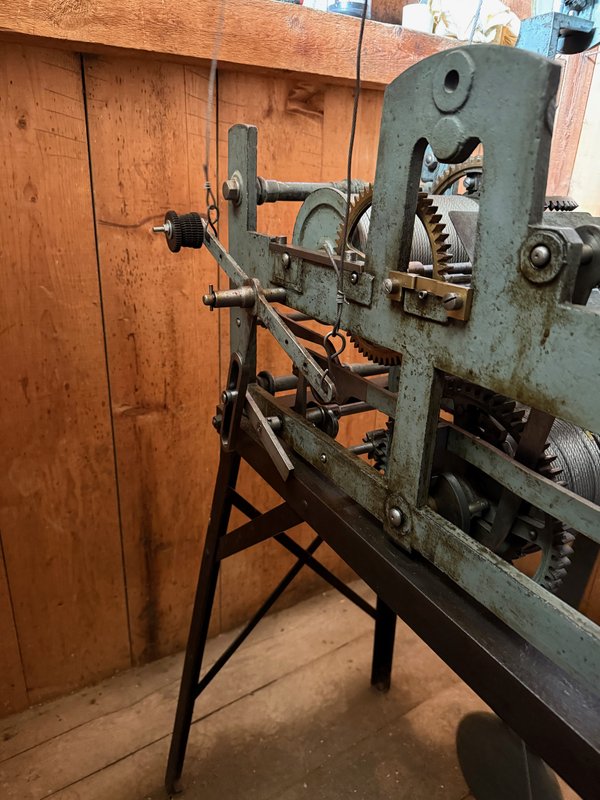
(426, 212)
(560, 204)
(437, 236)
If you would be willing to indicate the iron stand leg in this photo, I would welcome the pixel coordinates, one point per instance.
(205, 593)
(383, 646)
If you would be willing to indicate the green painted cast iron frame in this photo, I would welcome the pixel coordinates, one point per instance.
(523, 339)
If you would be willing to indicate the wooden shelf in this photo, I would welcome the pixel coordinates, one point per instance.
(258, 34)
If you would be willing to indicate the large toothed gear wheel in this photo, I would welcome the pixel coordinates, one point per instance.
(435, 232)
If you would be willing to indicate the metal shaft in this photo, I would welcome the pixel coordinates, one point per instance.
(269, 191)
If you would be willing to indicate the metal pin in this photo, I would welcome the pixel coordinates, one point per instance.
(395, 516)
(540, 256)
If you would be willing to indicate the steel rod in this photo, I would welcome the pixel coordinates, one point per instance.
(257, 616)
(270, 191)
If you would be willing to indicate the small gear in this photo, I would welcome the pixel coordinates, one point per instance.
(376, 353)
(471, 168)
(500, 421)
(380, 439)
(436, 234)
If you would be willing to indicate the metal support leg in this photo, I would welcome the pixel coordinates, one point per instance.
(383, 646)
(203, 603)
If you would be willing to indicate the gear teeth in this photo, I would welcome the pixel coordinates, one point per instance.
(455, 172)
(560, 204)
(560, 558)
(379, 355)
(431, 219)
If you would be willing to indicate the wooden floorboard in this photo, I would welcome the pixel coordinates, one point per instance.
(292, 716)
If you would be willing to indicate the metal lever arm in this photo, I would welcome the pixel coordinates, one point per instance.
(269, 440)
(320, 383)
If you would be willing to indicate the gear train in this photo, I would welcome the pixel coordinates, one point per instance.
(474, 309)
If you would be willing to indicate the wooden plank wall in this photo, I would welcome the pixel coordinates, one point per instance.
(111, 365)
(58, 513)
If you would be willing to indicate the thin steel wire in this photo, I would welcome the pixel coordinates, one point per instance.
(475, 21)
(212, 206)
(340, 296)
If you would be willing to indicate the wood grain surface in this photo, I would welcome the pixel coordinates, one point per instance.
(58, 511)
(13, 690)
(255, 34)
(147, 137)
(112, 366)
(576, 80)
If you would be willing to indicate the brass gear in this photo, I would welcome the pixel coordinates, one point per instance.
(454, 172)
(435, 230)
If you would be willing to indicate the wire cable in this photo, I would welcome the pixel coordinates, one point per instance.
(340, 296)
(212, 206)
(475, 21)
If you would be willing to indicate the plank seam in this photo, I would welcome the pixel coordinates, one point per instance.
(211, 713)
(106, 360)
(14, 620)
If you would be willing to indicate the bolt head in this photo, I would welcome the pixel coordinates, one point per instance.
(422, 295)
(354, 278)
(231, 190)
(395, 516)
(286, 260)
(540, 256)
(452, 301)
(323, 458)
(388, 286)
(224, 398)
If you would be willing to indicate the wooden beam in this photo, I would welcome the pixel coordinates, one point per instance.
(259, 34)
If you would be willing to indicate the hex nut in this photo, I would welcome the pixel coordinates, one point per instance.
(231, 190)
